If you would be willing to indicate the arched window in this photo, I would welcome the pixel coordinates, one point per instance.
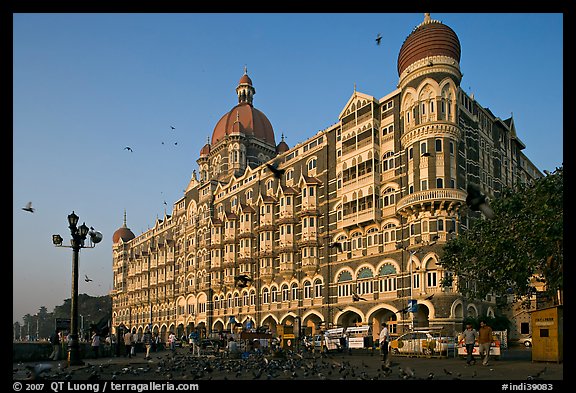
(294, 291)
(307, 290)
(317, 288)
(285, 293)
(388, 197)
(364, 281)
(387, 281)
(356, 241)
(345, 284)
(311, 164)
(274, 293)
(265, 296)
(372, 238)
(388, 161)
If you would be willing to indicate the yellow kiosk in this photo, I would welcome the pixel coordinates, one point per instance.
(547, 334)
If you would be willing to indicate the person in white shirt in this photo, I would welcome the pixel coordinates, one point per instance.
(384, 338)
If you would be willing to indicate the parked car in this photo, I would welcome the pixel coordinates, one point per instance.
(527, 341)
(420, 343)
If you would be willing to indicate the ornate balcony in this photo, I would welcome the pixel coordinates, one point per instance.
(448, 199)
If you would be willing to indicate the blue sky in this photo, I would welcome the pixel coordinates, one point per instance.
(86, 85)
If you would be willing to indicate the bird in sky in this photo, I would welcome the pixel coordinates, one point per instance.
(165, 203)
(128, 148)
(86, 278)
(277, 172)
(28, 207)
(378, 39)
(356, 297)
(172, 127)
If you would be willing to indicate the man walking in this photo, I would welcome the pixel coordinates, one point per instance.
(470, 334)
(383, 341)
(484, 342)
(55, 341)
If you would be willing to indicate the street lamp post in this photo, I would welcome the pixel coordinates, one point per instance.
(77, 242)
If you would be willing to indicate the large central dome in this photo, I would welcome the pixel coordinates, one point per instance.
(429, 38)
(244, 118)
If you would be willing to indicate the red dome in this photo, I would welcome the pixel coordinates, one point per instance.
(205, 151)
(282, 147)
(245, 80)
(123, 233)
(430, 38)
(246, 119)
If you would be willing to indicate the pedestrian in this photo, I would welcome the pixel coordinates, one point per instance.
(113, 344)
(55, 341)
(134, 342)
(484, 342)
(194, 340)
(147, 340)
(128, 343)
(95, 343)
(383, 342)
(470, 335)
(172, 341)
(155, 341)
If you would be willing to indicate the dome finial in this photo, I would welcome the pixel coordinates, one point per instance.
(245, 70)
(124, 225)
(282, 137)
(426, 17)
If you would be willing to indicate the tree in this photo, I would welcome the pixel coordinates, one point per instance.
(522, 243)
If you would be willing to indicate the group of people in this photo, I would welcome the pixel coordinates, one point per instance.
(484, 337)
(471, 335)
(56, 339)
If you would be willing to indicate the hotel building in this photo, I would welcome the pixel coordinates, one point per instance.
(343, 229)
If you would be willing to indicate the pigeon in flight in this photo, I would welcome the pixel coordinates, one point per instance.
(28, 207)
(173, 127)
(241, 281)
(277, 172)
(378, 39)
(338, 245)
(356, 297)
(128, 148)
(86, 278)
(476, 200)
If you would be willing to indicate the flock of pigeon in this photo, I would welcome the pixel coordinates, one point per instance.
(181, 365)
(129, 149)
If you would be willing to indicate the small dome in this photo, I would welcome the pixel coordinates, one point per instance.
(205, 151)
(282, 147)
(123, 233)
(245, 80)
(429, 38)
